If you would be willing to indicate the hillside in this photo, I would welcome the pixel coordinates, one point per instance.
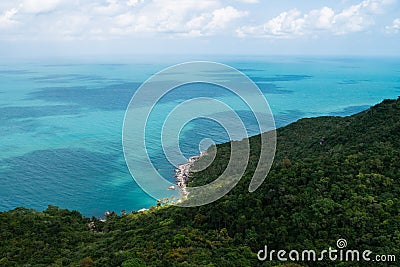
(347, 186)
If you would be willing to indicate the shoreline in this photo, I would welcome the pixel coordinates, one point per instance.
(183, 171)
(181, 176)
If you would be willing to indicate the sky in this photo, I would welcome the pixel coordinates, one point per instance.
(46, 28)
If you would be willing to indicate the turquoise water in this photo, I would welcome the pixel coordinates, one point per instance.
(61, 123)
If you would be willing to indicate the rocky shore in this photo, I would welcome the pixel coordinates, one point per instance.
(182, 173)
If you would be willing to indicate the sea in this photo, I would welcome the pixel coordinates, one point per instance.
(61, 120)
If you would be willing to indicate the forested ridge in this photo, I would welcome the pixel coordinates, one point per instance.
(332, 178)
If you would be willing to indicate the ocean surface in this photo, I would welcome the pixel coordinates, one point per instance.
(61, 120)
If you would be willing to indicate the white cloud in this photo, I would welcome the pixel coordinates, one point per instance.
(109, 8)
(171, 16)
(6, 20)
(221, 17)
(134, 2)
(249, 1)
(320, 19)
(39, 6)
(376, 6)
(355, 18)
(395, 27)
(181, 18)
(105, 19)
(209, 23)
(286, 22)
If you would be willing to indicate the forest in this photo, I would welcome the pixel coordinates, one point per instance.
(332, 178)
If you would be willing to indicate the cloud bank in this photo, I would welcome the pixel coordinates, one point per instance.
(109, 19)
(355, 18)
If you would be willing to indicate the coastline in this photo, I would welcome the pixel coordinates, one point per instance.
(181, 177)
(183, 171)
